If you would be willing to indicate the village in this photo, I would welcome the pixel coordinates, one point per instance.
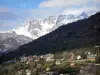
(50, 62)
(61, 63)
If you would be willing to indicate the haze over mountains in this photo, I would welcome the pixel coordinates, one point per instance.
(79, 34)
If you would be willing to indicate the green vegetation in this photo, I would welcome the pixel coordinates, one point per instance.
(12, 69)
(98, 72)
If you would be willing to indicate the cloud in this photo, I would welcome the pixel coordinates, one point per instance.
(43, 12)
(67, 3)
(9, 25)
(96, 1)
(62, 3)
(72, 6)
(4, 9)
(10, 19)
(75, 11)
(7, 14)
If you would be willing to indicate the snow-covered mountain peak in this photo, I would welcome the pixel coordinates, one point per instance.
(40, 27)
(50, 20)
(83, 15)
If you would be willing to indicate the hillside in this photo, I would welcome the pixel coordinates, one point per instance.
(82, 33)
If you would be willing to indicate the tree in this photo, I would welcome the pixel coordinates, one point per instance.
(83, 55)
(98, 57)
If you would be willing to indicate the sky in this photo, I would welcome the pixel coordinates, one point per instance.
(16, 13)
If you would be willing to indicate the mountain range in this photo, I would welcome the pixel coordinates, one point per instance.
(79, 34)
(10, 40)
(40, 27)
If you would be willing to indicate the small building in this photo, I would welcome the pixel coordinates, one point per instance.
(96, 46)
(30, 58)
(91, 57)
(52, 73)
(72, 64)
(72, 56)
(48, 69)
(49, 57)
(28, 72)
(19, 72)
(23, 59)
(39, 66)
(57, 62)
(79, 57)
